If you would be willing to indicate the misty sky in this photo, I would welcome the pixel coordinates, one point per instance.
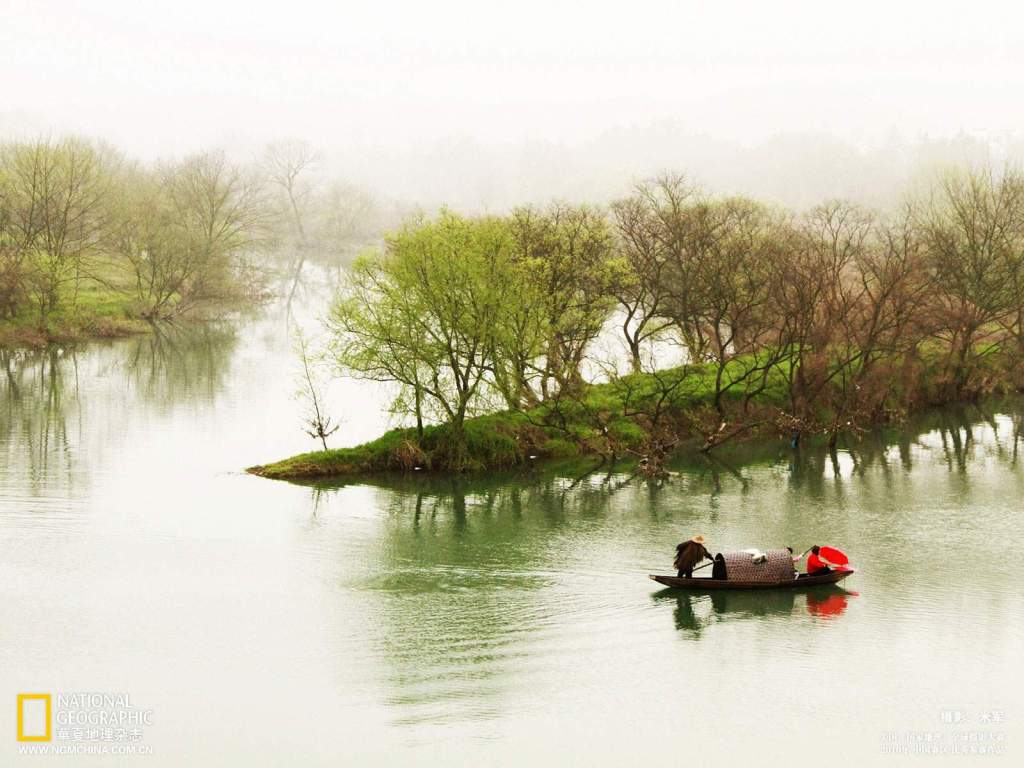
(374, 78)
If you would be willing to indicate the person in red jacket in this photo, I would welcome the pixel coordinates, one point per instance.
(815, 565)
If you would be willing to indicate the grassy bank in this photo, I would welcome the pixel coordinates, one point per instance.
(99, 312)
(611, 419)
(96, 313)
(633, 417)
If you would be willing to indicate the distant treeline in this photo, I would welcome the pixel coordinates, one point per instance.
(820, 321)
(87, 233)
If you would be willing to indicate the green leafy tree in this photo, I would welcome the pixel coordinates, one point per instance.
(423, 314)
(520, 334)
(567, 255)
(54, 195)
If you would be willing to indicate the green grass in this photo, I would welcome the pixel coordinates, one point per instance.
(96, 312)
(563, 430)
(617, 412)
(495, 440)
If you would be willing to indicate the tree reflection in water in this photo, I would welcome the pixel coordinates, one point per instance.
(61, 407)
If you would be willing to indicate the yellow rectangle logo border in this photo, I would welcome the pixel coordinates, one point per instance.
(22, 698)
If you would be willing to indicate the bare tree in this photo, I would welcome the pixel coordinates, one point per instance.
(818, 294)
(736, 251)
(972, 231)
(222, 215)
(645, 229)
(318, 423)
(12, 250)
(287, 163)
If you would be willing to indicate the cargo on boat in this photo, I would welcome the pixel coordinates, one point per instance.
(772, 569)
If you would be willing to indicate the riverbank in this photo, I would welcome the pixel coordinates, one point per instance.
(97, 315)
(621, 419)
(642, 416)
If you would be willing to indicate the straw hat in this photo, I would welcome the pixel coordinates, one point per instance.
(697, 539)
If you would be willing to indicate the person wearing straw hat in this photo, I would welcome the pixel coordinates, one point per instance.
(688, 554)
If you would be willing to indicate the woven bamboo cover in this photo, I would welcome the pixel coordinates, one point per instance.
(740, 566)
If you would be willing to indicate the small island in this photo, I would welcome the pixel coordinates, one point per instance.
(494, 330)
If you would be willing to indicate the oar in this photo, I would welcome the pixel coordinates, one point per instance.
(704, 566)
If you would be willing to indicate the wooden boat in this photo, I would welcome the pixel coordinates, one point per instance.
(702, 583)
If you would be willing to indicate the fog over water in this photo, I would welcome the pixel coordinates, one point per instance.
(499, 617)
(483, 106)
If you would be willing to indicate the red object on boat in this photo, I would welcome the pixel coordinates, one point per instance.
(833, 555)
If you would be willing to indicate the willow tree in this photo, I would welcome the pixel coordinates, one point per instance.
(141, 242)
(521, 335)
(423, 314)
(54, 199)
(567, 255)
(220, 212)
(176, 237)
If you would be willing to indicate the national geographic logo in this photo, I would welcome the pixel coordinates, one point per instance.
(81, 717)
(35, 717)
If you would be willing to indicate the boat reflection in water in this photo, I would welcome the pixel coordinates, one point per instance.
(695, 612)
(829, 605)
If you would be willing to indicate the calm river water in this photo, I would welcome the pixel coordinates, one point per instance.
(504, 620)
